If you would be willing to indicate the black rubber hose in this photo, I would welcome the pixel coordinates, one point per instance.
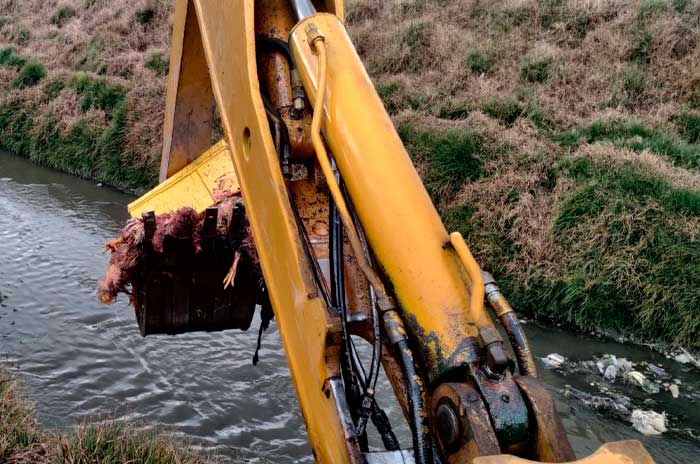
(279, 45)
(376, 323)
(419, 419)
(418, 416)
(285, 148)
(338, 299)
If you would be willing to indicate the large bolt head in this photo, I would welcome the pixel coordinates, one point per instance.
(447, 425)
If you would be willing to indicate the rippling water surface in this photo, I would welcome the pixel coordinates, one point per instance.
(82, 360)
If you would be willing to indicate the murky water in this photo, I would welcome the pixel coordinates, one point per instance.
(82, 360)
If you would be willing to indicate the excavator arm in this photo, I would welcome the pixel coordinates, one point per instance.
(348, 243)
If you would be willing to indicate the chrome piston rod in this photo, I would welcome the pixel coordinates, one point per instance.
(302, 9)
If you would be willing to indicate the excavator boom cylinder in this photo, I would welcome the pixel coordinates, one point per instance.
(403, 228)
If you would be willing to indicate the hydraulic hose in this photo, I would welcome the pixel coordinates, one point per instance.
(298, 94)
(418, 417)
(317, 42)
(338, 299)
(511, 324)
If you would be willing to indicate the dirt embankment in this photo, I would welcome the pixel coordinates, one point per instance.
(561, 137)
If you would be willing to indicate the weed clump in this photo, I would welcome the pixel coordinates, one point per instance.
(53, 88)
(642, 45)
(416, 37)
(633, 85)
(157, 63)
(9, 58)
(97, 92)
(688, 125)
(649, 9)
(537, 68)
(62, 15)
(145, 15)
(452, 158)
(478, 63)
(680, 5)
(20, 36)
(505, 111)
(29, 75)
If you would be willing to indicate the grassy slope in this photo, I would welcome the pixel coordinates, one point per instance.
(82, 85)
(561, 137)
(22, 442)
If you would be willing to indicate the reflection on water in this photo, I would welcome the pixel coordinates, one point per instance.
(82, 360)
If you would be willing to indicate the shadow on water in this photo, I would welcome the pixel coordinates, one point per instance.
(83, 360)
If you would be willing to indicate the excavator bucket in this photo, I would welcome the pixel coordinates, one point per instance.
(194, 265)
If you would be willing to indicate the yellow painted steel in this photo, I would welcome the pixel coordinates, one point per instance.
(228, 40)
(192, 186)
(189, 106)
(402, 226)
(383, 300)
(476, 302)
(619, 452)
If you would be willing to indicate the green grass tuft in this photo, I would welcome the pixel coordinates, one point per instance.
(110, 442)
(120, 443)
(62, 15)
(30, 75)
(452, 158)
(641, 47)
(505, 111)
(17, 425)
(637, 137)
(158, 63)
(537, 69)
(649, 9)
(688, 125)
(9, 58)
(97, 92)
(478, 63)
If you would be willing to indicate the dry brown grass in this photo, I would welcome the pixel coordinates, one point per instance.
(22, 441)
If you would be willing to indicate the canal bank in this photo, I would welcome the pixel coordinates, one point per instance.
(83, 361)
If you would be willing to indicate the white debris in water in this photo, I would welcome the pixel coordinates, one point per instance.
(612, 367)
(648, 422)
(553, 360)
(637, 378)
(610, 372)
(656, 370)
(675, 392)
(684, 357)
